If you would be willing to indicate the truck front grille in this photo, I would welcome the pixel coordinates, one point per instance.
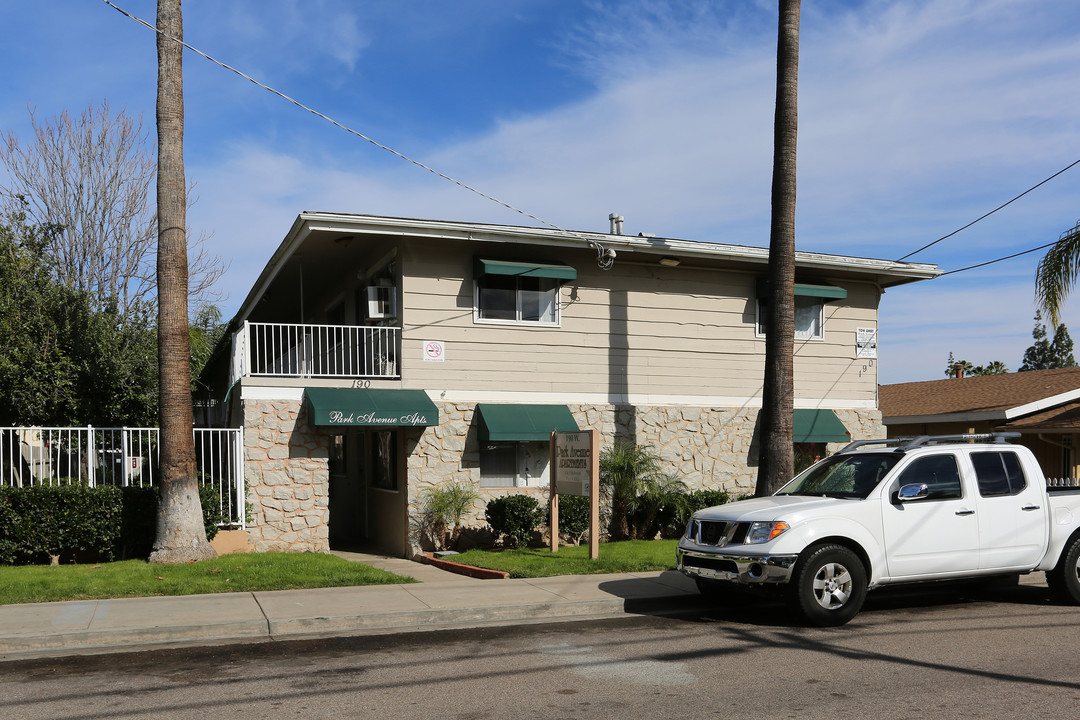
(718, 534)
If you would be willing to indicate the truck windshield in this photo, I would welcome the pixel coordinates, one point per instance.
(843, 476)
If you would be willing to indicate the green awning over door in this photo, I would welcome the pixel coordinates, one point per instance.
(522, 423)
(370, 408)
(819, 426)
(524, 269)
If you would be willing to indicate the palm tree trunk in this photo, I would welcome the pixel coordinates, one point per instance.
(180, 533)
(776, 464)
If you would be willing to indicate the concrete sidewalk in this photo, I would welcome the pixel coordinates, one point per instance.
(441, 600)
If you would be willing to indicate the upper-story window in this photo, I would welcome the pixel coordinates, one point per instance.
(808, 318)
(809, 309)
(519, 292)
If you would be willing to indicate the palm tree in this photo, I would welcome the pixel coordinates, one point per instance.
(625, 471)
(776, 459)
(181, 536)
(1057, 273)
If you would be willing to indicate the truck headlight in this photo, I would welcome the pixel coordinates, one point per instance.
(762, 532)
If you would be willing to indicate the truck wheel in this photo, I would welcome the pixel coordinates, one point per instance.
(1064, 579)
(828, 586)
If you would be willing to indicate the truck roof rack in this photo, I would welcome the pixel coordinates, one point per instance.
(904, 444)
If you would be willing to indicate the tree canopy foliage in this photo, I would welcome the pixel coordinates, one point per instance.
(952, 365)
(1047, 354)
(1057, 273)
(1044, 354)
(65, 360)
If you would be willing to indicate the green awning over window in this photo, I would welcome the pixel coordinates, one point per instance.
(826, 292)
(517, 423)
(352, 407)
(524, 269)
(819, 426)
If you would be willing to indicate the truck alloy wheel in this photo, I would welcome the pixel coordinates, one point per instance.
(828, 586)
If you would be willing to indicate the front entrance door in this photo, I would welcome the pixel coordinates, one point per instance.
(348, 494)
(386, 493)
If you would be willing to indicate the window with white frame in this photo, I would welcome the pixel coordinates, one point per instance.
(809, 314)
(516, 299)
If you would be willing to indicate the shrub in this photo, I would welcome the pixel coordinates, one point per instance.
(574, 517)
(515, 516)
(45, 522)
(42, 524)
(210, 501)
(644, 499)
(444, 507)
(701, 499)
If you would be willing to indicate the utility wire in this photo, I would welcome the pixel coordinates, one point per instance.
(605, 257)
(946, 237)
(1001, 259)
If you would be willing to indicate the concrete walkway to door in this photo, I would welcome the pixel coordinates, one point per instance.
(441, 600)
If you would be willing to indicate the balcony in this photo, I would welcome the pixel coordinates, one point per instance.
(315, 351)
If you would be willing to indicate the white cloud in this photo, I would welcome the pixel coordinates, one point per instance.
(915, 118)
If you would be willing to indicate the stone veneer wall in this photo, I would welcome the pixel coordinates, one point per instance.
(709, 447)
(288, 479)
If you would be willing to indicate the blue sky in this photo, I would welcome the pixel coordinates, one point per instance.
(916, 117)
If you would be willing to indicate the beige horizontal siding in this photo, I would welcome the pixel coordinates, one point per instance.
(631, 329)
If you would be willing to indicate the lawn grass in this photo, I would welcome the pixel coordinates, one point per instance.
(229, 573)
(629, 556)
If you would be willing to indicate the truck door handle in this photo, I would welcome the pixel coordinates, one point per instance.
(965, 512)
(1030, 507)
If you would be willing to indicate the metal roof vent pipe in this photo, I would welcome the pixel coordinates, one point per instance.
(616, 223)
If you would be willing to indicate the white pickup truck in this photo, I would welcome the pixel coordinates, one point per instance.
(883, 512)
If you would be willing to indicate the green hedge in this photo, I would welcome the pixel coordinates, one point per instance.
(74, 521)
(515, 516)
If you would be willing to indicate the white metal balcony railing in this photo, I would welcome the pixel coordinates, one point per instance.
(124, 457)
(326, 351)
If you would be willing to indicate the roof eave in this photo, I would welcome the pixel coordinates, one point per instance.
(887, 273)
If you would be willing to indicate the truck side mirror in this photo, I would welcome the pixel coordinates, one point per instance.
(914, 491)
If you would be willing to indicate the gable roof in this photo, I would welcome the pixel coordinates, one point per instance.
(990, 397)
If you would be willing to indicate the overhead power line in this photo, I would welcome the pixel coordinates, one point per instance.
(605, 256)
(954, 232)
(1000, 259)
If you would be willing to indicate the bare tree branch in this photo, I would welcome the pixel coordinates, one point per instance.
(94, 175)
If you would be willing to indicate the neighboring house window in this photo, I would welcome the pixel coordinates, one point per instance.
(512, 299)
(514, 464)
(809, 312)
(998, 473)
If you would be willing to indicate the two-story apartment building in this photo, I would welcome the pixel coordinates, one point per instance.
(376, 357)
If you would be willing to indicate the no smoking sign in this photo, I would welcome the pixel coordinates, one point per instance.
(434, 351)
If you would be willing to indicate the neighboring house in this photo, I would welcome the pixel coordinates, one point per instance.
(1042, 405)
(377, 357)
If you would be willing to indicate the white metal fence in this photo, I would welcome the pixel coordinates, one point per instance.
(125, 457)
(332, 351)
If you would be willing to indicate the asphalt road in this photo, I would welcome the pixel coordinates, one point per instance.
(951, 653)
